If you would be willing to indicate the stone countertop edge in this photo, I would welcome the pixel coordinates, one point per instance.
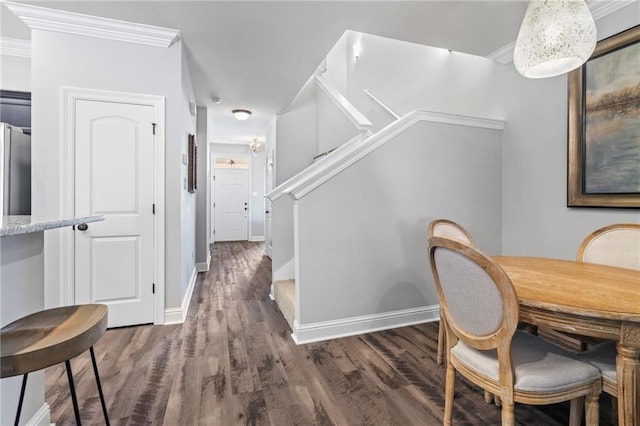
(16, 225)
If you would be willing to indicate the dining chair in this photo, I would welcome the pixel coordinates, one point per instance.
(480, 308)
(614, 245)
(447, 229)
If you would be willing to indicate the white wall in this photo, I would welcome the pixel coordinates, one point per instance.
(65, 60)
(203, 218)
(15, 73)
(257, 195)
(297, 134)
(21, 294)
(362, 235)
(408, 76)
(336, 64)
(188, 199)
(334, 127)
(536, 219)
(282, 233)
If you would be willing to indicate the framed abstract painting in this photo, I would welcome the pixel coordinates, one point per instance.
(604, 125)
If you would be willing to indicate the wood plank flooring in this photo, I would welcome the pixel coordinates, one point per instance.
(233, 363)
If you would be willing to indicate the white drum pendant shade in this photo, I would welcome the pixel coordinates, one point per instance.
(556, 37)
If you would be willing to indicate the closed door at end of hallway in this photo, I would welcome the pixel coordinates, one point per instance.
(231, 204)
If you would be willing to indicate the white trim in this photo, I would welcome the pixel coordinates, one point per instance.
(599, 10)
(204, 266)
(42, 417)
(173, 316)
(256, 238)
(354, 150)
(41, 18)
(382, 104)
(503, 55)
(296, 259)
(325, 330)
(179, 315)
(250, 200)
(15, 47)
(356, 117)
(313, 170)
(69, 96)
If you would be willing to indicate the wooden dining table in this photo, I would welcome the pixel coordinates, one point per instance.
(589, 300)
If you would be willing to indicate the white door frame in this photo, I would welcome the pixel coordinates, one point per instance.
(212, 213)
(268, 236)
(67, 165)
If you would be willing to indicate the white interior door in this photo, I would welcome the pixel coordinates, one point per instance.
(231, 204)
(114, 153)
(268, 186)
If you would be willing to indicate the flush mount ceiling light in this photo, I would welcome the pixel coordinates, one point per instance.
(556, 37)
(241, 114)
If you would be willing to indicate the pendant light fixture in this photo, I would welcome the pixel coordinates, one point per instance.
(556, 37)
(241, 114)
(255, 146)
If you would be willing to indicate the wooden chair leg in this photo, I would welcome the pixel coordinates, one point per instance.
(576, 410)
(508, 417)
(441, 342)
(592, 410)
(448, 394)
(488, 397)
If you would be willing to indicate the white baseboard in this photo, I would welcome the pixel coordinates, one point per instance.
(204, 266)
(286, 272)
(318, 331)
(42, 417)
(178, 315)
(256, 238)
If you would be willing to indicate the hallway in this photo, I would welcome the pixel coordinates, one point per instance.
(233, 362)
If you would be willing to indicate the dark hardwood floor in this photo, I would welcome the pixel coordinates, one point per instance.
(233, 362)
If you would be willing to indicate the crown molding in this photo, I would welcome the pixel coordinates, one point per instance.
(40, 18)
(15, 47)
(598, 9)
(504, 55)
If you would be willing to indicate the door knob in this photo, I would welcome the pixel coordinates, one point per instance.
(83, 227)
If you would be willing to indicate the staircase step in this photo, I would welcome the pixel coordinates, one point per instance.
(284, 293)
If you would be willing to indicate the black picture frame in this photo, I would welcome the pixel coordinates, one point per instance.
(192, 170)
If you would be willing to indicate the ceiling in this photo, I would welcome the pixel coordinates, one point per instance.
(258, 54)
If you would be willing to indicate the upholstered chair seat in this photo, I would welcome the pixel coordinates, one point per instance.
(603, 356)
(538, 366)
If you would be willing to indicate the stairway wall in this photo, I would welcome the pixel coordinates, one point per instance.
(362, 235)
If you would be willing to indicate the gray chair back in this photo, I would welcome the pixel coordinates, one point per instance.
(477, 298)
